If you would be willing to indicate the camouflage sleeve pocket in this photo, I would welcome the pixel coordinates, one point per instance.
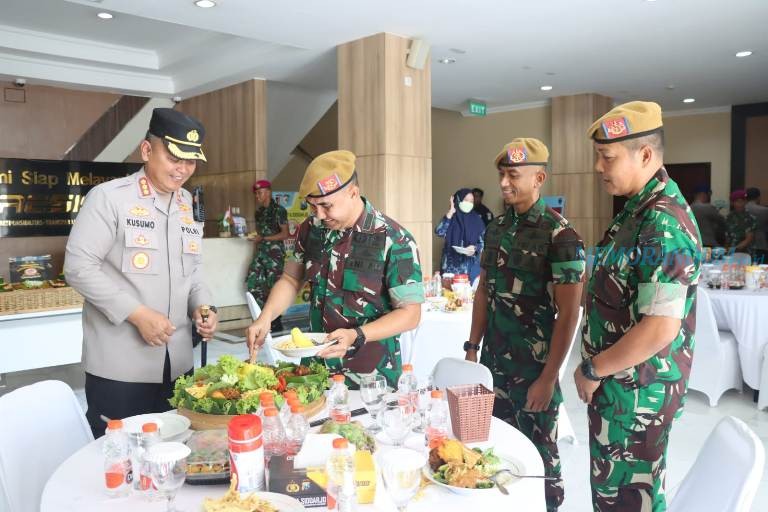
(662, 299)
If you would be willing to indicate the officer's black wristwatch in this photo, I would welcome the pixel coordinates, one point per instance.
(358, 343)
(588, 370)
(471, 346)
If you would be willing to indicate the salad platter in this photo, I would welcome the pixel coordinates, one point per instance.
(215, 393)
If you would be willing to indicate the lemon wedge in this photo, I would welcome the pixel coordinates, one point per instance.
(300, 339)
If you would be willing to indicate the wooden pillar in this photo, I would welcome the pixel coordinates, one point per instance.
(235, 120)
(385, 119)
(572, 174)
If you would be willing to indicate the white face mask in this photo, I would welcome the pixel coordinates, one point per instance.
(466, 206)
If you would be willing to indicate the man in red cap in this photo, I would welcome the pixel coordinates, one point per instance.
(269, 255)
(740, 224)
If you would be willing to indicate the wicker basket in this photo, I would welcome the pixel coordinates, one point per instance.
(471, 408)
(40, 299)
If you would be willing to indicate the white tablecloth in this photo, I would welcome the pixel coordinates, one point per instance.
(744, 313)
(78, 484)
(438, 335)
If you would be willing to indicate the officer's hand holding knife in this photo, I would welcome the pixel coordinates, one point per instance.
(154, 327)
(205, 323)
(257, 332)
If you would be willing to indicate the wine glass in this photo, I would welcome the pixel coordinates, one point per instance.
(401, 471)
(396, 419)
(372, 390)
(168, 469)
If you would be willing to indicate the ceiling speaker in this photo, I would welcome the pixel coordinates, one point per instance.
(418, 54)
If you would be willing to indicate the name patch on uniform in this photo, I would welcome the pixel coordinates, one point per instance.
(329, 184)
(615, 127)
(190, 231)
(144, 188)
(140, 223)
(140, 260)
(139, 211)
(517, 155)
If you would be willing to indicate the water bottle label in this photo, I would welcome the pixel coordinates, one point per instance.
(118, 474)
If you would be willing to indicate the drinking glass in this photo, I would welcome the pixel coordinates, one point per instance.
(401, 472)
(168, 469)
(396, 418)
(372, 391)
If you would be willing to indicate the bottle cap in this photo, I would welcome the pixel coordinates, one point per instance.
(436, 393)
(297, 408)
(270, 411)
(244, 427)
(149, 427)
(115, 424)
(290, 393)
(340, 443)
(407, 367)
(338, 378)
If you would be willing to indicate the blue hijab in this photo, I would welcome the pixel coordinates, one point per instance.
(465, 228)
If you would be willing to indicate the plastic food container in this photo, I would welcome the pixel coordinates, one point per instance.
(208, 463)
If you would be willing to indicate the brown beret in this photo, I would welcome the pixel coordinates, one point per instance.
(522, 151)
(627, 121)
(328, 173)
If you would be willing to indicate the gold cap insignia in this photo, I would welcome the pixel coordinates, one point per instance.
(193, 136)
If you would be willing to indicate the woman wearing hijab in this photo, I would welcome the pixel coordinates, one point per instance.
(462, 227)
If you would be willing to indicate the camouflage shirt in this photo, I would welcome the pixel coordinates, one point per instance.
(646, 264)
(268, 222)
(738, 224)
(269, 255)
(357, 276)
(524, 256)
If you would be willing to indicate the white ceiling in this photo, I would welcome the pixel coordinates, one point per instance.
(625, 49)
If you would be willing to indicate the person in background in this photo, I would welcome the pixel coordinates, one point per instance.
(760, 212)
(638, 338)
(269, 252)
(135, 254)
(527, 304)
(461, 226)
(364, 272)
(740, 224)
(711, 223)
(480, 208)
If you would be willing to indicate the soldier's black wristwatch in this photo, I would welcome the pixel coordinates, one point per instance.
(588, 370)
(358, 343)
(471, 346)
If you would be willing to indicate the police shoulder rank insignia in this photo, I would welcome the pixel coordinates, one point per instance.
(516, 155)
(138, 211)
(615, 127)
(144, 188)
(140, 260)
(329, 184)
(193, 136)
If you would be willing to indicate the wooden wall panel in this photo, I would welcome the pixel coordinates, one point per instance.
(381, 180)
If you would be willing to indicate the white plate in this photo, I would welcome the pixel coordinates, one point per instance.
(462, 250)
(281, 502)
(133, 424)
(506, 463)
(316, 337)
(173, 425)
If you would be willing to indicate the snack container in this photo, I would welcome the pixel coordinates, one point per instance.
(208, 463)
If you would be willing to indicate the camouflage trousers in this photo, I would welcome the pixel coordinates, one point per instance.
(628, 462)
(541, 429)
(264, 271)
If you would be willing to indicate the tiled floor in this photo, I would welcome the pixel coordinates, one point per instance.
(688, 434)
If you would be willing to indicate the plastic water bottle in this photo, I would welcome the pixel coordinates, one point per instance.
(143, 481)
(117, 462)
(408, 387)
(274, 434)
(437, 285)
(340, 468)
(285, 411)
(437, 420)
(266, 400)
(339, 401)
(296, 429)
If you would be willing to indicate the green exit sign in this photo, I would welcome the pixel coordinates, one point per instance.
(477, 108)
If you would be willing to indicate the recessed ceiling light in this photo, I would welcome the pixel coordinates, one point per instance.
(447, 60)
(105, 16)
(745, 53)
(458, 50)
(689, 100)
(546, 87)
(205, 4)
(550, 73)
(671, 87)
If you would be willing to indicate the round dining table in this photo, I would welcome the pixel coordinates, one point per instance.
(743, 313)
(78, 484)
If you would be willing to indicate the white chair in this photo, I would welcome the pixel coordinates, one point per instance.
(452, 371)
(716, 367)
(762, 399)
(564, 427)
(726, 474)
(266, 354)
(42, 425)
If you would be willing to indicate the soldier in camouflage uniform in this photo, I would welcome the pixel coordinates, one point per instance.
(740, 224)
(638, 338)
(364, 272)
(532, 268)
(269, 258)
